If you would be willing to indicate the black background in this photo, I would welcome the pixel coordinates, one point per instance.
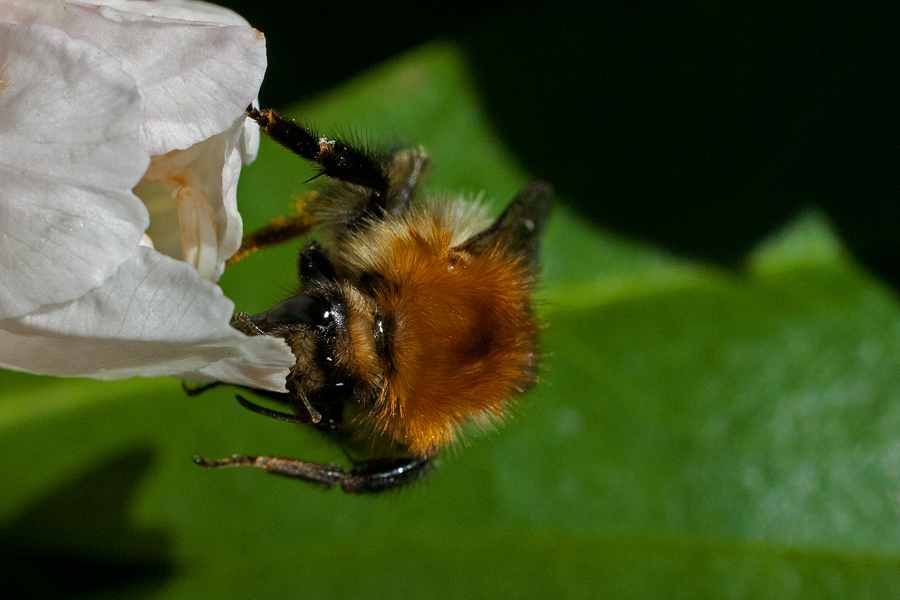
(700, 127)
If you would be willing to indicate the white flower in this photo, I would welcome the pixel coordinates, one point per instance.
(122, 134)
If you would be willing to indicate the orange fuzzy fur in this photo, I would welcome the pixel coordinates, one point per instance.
(462, 339)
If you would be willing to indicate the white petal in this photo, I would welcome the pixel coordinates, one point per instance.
(69, 156)
(192, 198)
(239, 150)
(198, 231)
(197, 77)
(186, 10)
(154, 317)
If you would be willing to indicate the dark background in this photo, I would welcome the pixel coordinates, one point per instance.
(700, 128)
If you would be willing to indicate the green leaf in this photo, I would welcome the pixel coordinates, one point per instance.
(697, 432)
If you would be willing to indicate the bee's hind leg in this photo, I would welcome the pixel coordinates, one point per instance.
(369, 477)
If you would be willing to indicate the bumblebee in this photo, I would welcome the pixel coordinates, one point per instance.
(413, 320)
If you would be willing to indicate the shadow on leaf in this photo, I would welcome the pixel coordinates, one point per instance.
(78, 539)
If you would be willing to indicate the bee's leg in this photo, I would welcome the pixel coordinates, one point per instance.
(329, 475)
(199, 389)
(243, 323)
(407, 168)
(311, 414)
(335, 158)
(364, 478)
(313, 263)
(278, 231)
(372, 476)
(308, 414)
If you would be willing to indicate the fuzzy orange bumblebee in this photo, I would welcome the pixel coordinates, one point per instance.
(413, 321)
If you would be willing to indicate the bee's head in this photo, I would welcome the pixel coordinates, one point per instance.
(330, 330)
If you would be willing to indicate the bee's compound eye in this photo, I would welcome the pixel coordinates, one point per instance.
(305, 309)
